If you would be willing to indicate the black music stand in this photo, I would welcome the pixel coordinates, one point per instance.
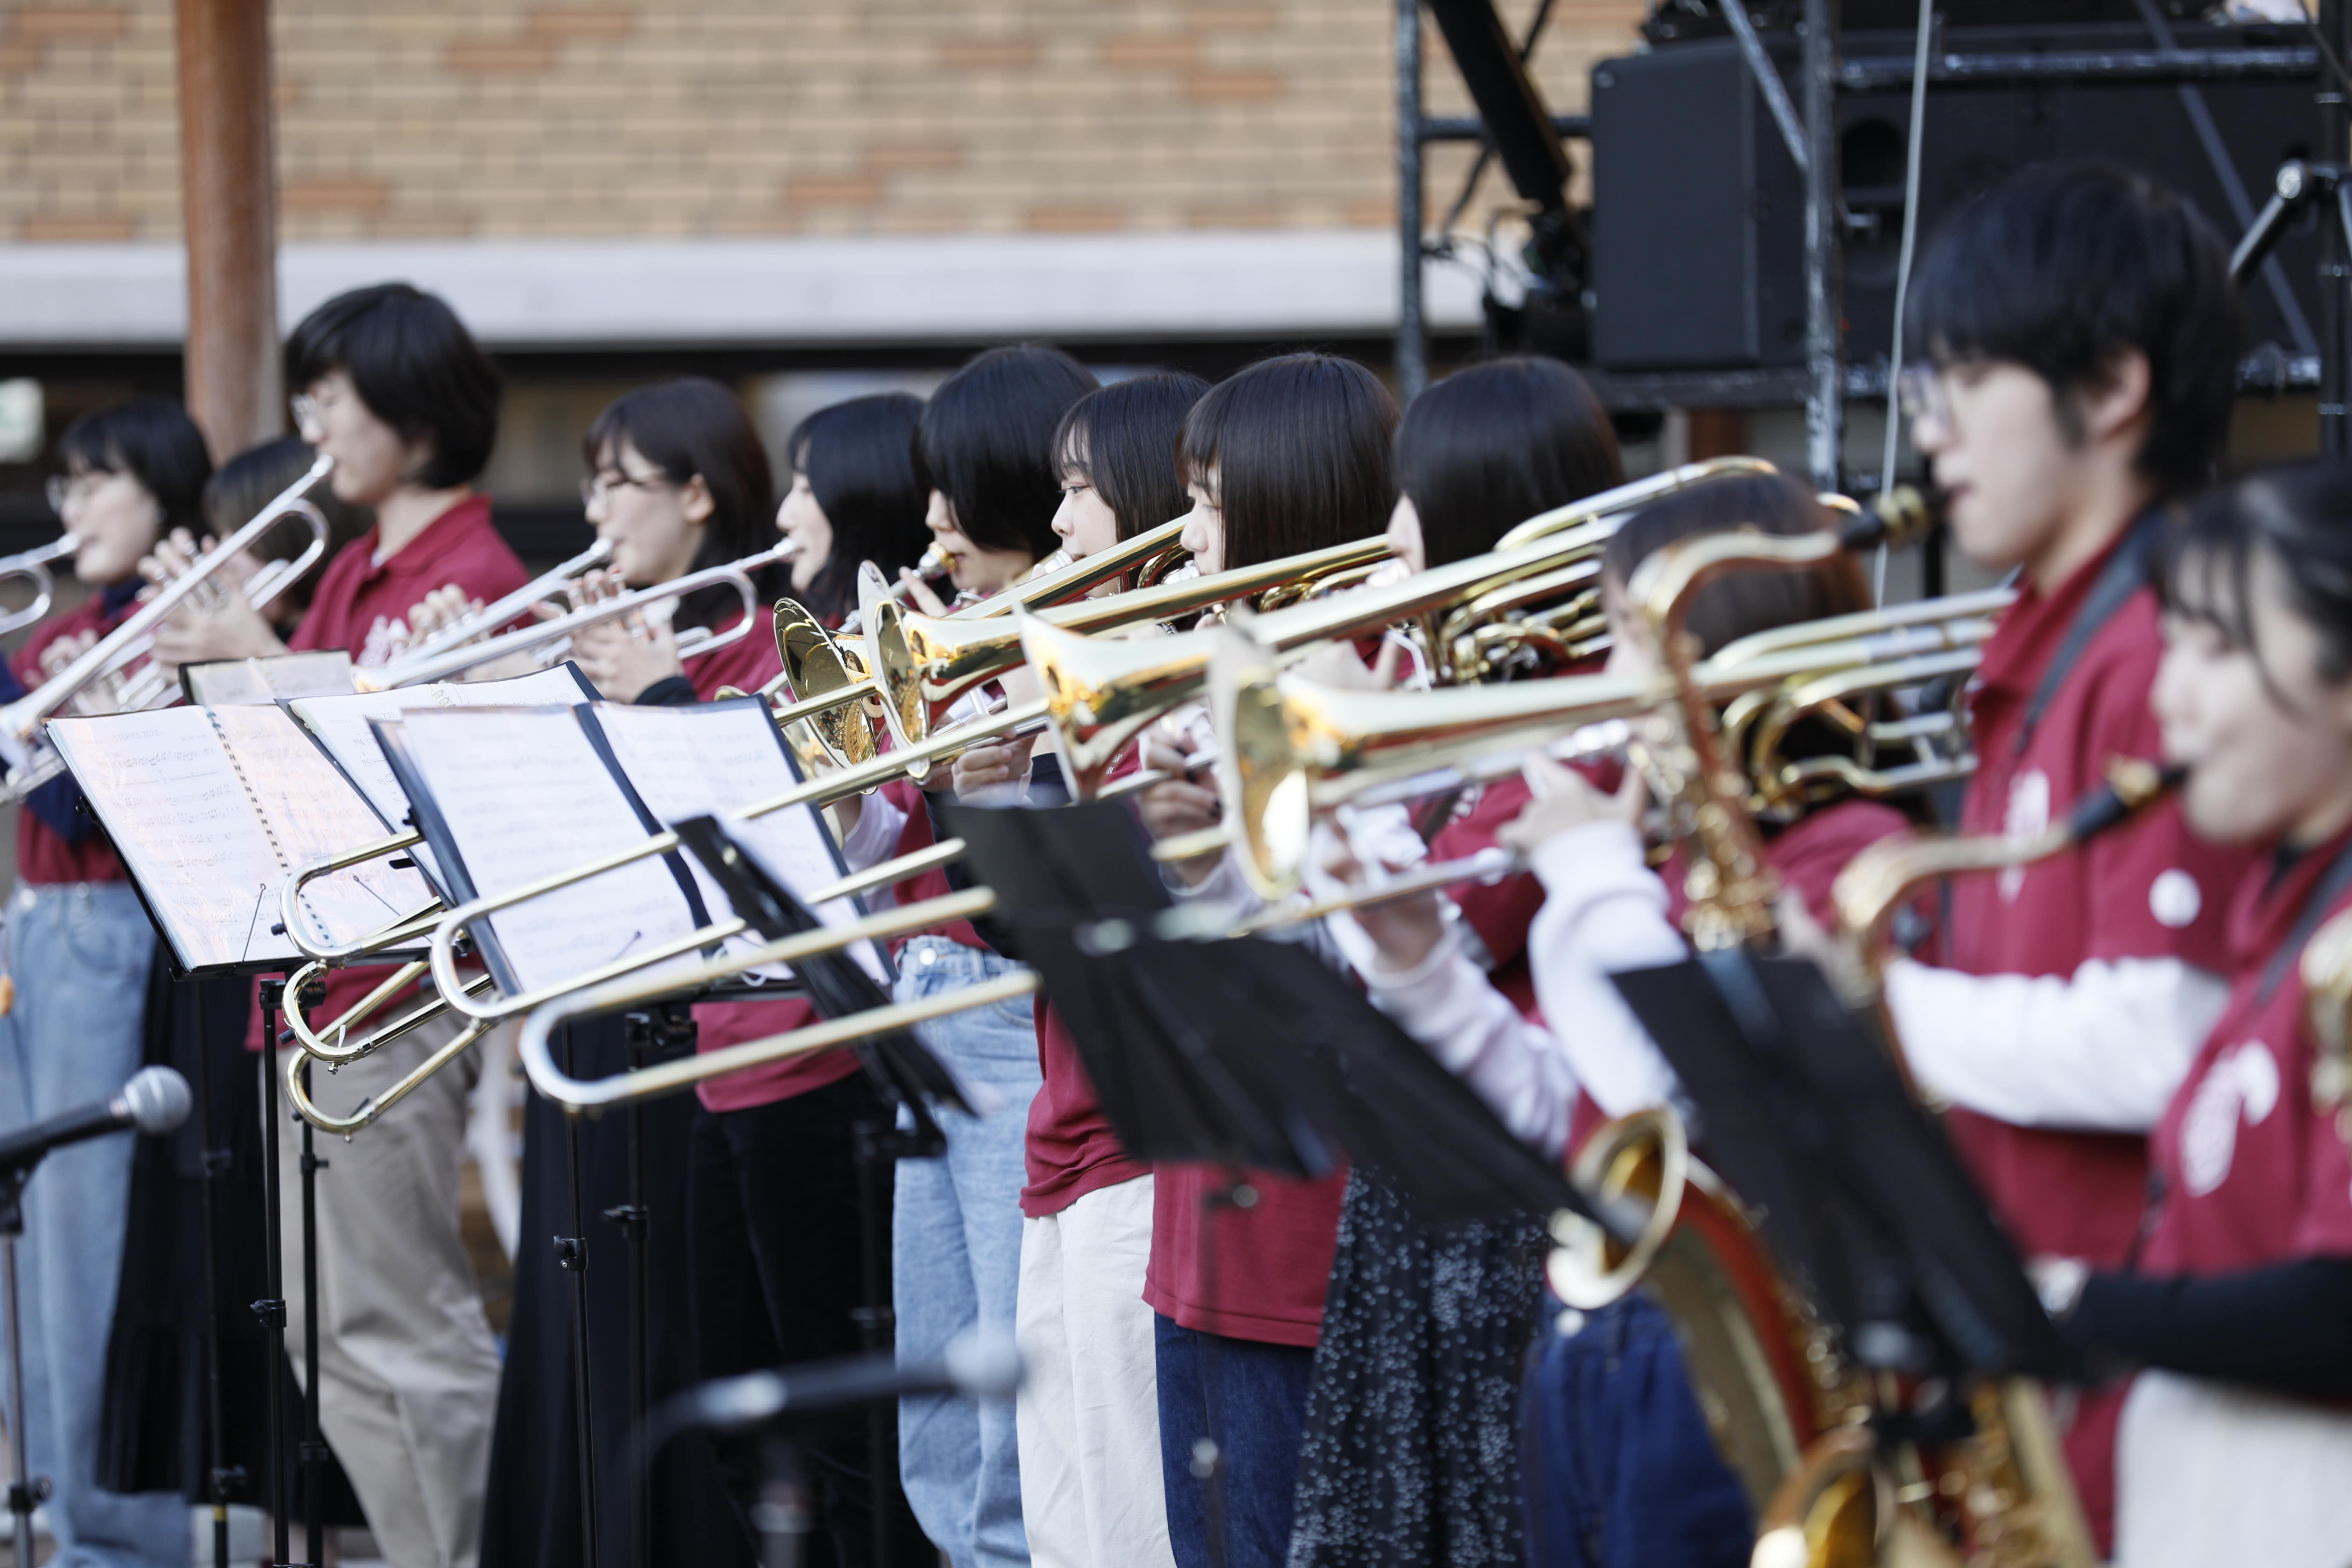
(910, 1079)
(1248, 1053)
(1803, 1112)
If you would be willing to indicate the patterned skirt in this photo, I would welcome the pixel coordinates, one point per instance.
(1411, 1453)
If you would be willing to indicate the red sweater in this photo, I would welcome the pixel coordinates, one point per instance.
(43, 855)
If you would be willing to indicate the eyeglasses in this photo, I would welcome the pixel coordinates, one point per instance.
(63, 487)
(602, 484)
(1920, 392)
(309, 414)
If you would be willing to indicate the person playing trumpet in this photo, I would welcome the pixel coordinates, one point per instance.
(77, 950)
(397, 391)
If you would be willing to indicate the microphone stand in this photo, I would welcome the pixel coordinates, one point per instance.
(219, 1477)
(26, 1492)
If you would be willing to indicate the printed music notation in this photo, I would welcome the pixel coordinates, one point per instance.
(213, 812)
(524, 795)
(340, 723)
(714, 760)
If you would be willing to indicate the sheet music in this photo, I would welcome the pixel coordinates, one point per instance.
(526, 795)
(313, 812)
(181, 819)
(322, 673)
(340, 723)
(714, 760)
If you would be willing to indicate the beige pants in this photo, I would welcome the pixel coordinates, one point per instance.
(408, 1371)
(1089, 1418)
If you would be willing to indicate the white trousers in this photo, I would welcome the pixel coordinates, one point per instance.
(1088, 1419)
(2207, 1473)
(408, 1371)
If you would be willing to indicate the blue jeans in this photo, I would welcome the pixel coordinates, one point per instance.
(79, 952)
(1619, 1466)
(955, 1253)
(1250, 1399)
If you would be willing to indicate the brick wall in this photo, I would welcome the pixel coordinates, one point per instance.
(505, 118)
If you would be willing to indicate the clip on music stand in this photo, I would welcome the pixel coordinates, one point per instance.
(1863, 1196)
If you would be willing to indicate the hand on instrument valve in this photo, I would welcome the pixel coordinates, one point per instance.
(1179, 804)
(1565, 799)
(623, 657)
(214, 622)
(443, 608)
(994, 772)
(1404, 932)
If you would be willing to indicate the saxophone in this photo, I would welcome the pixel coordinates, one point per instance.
(2326, 972)
(1797, 1419)
(2005, 1491)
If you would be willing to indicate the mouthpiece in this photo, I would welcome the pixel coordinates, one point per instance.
(1893, 518)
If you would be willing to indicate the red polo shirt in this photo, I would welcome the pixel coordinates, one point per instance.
(747, 665)
(2147, 889)
(2248, 1173)
(42, 857)
(363, 603)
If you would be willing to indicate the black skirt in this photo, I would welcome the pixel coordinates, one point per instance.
(532, 1516)
(152, 1431)
(1411, 1453)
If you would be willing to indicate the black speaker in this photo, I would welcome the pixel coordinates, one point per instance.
(1699, 211)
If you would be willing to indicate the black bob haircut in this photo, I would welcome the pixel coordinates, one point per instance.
(2068, 265)
(416, 367)
(1492, 445)
(1299, 446)
(153, 441)
(859, 460)
(986, 442)
(2300, 514)
(1123, 439)
(1739, 604)
(693, 426)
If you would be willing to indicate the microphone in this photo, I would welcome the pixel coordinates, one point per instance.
(156, 1100)
(976, 1364)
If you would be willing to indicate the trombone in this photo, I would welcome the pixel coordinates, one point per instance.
(31, 762)
(826, 671)
(548, 639)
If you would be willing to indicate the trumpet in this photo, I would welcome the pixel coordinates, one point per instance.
(33, 565)
(30, 761)
(549, 585)
(548, 639)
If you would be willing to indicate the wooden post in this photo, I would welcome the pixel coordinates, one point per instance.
(229, 185)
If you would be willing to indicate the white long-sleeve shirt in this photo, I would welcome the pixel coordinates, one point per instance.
(2104, 1048)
